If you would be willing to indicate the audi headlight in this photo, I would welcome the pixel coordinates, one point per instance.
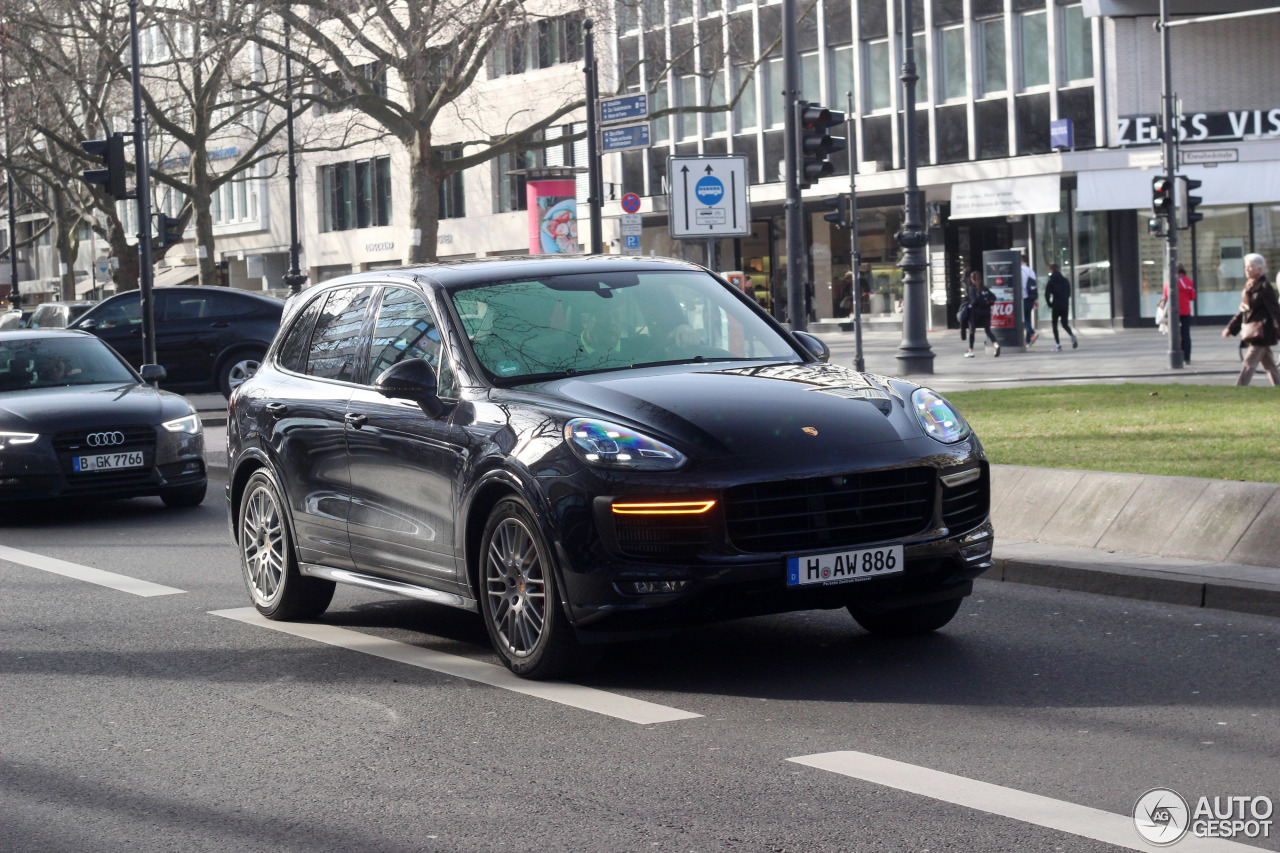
(189, 425)
(938, 418)
(609, 445)
(13, 439)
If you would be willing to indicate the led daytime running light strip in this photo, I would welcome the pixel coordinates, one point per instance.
(664, 508)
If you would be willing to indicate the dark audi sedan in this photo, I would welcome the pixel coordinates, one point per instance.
(76, 421)
(592, 449)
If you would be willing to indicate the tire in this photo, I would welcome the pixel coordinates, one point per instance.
(236, 368)
(184, 497)
(267, 559)
(519, 600)
(907, 621)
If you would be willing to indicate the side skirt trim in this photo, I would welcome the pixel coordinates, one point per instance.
(401, 588)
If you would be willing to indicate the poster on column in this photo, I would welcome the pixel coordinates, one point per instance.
(553, 217)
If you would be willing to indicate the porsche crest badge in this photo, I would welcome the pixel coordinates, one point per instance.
(810, 430)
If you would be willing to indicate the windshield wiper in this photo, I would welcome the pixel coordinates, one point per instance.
(702, 359)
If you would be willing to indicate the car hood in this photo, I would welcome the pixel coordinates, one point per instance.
(817, 412)
(48, 410)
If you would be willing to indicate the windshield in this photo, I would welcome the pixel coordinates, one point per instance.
(57, 361)
(562, 325)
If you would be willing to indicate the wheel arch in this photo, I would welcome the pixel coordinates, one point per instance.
(493, 487)
(249, 465)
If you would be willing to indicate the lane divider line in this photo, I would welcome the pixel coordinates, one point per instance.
(123, 583)
(573, 695)
(1006, 802)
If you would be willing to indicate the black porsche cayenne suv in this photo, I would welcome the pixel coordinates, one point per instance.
(592, 449)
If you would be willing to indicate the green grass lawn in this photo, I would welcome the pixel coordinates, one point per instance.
(1220, 432)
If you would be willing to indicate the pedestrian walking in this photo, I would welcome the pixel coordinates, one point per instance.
(979, 299)
(1258, 323)
(1057, 292)
(1186, 295)
(1030, 297)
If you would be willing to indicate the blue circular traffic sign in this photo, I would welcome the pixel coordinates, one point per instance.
(709, 190)
(631, 203)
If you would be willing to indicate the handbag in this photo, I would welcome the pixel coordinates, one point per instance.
(1253, 333)
(1162, 316)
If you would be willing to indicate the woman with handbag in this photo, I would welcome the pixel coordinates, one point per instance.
(979, 299)
(1258, 323)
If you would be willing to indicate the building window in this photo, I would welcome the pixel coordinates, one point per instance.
(355, 194)
(921, 44)
(717, 123)
(841, 76)
(660, 128)
(953, 63)
(339, 88)
(687, 92)
(681, 10)
(1077, 43)
(879, 75)
(991, 34)
(235, 201)
(745, 113)
(1033, 49)
(453, 201)
(510, 193)
(542, 44)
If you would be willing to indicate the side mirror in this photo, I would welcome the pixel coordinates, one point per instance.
(88, 325)
(815, 346)
(152, 373)
(412, 379)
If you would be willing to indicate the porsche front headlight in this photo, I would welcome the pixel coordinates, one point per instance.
(938, 418)
(609, 445)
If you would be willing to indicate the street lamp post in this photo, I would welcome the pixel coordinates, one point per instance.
(797, 308)
(595, 188)
(143, 166)
(15, 298)
(1170, 150)
(914, 354)
(294, 278)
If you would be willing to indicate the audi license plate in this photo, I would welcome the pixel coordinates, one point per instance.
(108, 461)
(845, 566)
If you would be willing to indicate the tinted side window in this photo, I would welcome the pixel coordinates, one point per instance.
(186, 306)
(226, 305)
(334, 344)
(122, 312)
(405, 329)
(293, 349)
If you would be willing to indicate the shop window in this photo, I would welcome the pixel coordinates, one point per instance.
(1093, 266)
(992, 43)
(1077, 43)
(1033, 49)
(953, 63)
(1221, 241)
(878, 73)
(1266, 236)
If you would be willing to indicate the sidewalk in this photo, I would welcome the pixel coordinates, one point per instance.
(1105, 355)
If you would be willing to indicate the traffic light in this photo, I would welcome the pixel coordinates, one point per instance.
(1187, 203)
(840, 216)
(1161, 196)
(112, 178)
(168, 231)
(816, 145)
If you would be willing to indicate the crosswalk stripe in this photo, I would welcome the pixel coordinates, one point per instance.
(123, 583)
(573, 695)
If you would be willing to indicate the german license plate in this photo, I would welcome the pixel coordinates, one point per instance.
(845, 566)
(108, 461)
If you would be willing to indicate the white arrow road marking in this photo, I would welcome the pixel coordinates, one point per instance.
(573, 695)
(112, 580)
(1006, 802)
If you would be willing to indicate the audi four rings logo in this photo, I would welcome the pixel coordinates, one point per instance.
(104, 439)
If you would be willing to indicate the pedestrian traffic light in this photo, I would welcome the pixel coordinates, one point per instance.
(1161, 196)
(168, 231)
(815, 144)
(840, 216)
(1187, 203)
(112, 178)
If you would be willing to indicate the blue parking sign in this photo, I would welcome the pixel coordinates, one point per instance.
(633, 241)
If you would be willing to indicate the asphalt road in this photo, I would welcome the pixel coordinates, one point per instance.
(142, 723)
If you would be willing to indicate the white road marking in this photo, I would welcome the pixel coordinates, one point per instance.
(123, 583)
(1007, 802)
(573, 695)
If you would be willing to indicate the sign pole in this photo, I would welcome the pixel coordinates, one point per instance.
(855, 251)
(1170, 131)
(797, 310)
(594, 186)
(143, 167)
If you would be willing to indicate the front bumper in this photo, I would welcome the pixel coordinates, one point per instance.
(44, 469)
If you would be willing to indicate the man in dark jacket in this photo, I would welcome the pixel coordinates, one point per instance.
(1058, 294)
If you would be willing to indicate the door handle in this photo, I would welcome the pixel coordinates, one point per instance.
(221, 325)
(276, 409)
(356, 420)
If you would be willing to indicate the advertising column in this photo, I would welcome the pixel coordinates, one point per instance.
(553, 216)
(1002, 272)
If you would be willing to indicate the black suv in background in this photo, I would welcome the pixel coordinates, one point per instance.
(207, 338)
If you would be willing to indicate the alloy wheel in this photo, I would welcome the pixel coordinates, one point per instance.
(262, 545)
(242, 370)
(515, 581)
